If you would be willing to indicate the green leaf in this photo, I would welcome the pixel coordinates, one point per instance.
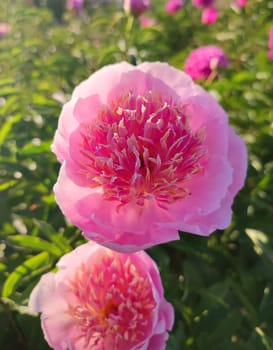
(57, 238)
(26, 268)
(6, 185)
(35, 243)
(30, 148)
(267, 342)
(5, 129)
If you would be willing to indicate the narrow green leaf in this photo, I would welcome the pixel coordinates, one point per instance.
(30, 149)
(55, 237)
(22, 270)
(4, 186)
(264, 339)
(35, 243)
(5, 129)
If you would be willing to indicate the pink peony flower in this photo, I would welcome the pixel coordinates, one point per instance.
(203, 60)
(209, 15)
(270, 54)
(136, 7)
(172, 6)
(241, 3)
(5, 28)
(100, 299)
(145, 152)
(75, 4)
(146, 21)
(202, 3)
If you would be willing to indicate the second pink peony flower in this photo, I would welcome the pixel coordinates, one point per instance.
(103, 300)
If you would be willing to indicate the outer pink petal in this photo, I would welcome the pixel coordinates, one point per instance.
(218, 219)
(40, 295)
(237, 155)
(87, 109)
(151, 268)
(158, 341)
(69, 263)
(66, 125)
(167, 312)
(56, 323)
(143, 83)
(102, 81)
(216, 180)
(208, 190)
(57, 327)
(177, 80)
(221, 217)
(87, 209)
(204, 109)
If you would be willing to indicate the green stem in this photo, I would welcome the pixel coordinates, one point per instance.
(129, 31)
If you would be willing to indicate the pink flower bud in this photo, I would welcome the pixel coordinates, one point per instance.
(209, 15)
(202, 3)
(172, 6)
(136, 7)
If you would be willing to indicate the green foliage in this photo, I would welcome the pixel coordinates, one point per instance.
(221, 286)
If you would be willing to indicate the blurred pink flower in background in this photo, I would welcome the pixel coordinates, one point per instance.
(204, 60)
(202, 3)
(241, 3)
(209, 15)
(101, 299)
(75, 4)
(145, 152)
(172, 6)
(270, 43)
(136, 7)
(5, 28)
(146, 21)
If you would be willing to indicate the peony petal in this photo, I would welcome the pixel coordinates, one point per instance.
(101, 82)
(237, 155)
(67, 124)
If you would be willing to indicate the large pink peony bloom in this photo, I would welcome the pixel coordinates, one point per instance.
(103, 300)
(145, 152)
(204, 60)
(172, 6)
(209, 15)
(136, 7)
(202, 3)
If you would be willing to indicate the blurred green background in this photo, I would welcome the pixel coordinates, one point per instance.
(221, 286)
